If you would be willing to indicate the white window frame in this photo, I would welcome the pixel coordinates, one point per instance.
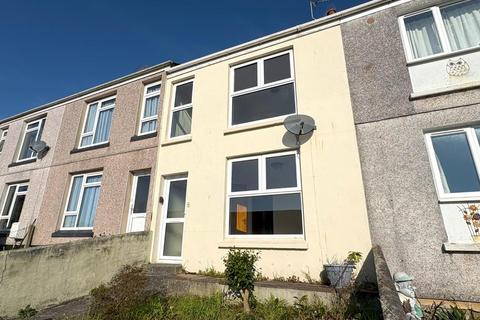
(260, 86)
(3, 138)
(16, 194)
(174, 109)
(442, 33)
(144, 102)
(84, 185)
(475, 151)
(40, 127)
(97, 115)
(263, 191)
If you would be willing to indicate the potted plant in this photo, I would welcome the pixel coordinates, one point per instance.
(341, 273)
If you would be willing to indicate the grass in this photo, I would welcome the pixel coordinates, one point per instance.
(217, 307)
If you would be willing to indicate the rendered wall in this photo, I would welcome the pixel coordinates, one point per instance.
(118, 161)
(50, 275)
(333, 198)
(405, 216)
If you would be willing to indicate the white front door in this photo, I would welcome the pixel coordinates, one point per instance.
(173, 218)
(138, 203)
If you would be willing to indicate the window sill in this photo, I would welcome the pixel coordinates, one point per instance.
(143, 136)
(253, 126)
(178, 140)
(100, 146)
(281, 244)
(442, 56)
(72, 234)
(446, 90)
(16, 164)
(461, 247)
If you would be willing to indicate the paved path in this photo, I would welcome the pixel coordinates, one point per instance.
(76, 307)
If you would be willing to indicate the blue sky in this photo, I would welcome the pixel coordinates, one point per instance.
(53, 48)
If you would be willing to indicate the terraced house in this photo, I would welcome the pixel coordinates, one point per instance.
(229, 174)
(414, 74)
(94, 175)
(198, 155)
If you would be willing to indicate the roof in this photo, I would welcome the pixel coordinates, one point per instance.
(158, 67)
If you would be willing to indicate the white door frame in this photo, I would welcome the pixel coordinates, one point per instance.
(165, 221)
(133, 195)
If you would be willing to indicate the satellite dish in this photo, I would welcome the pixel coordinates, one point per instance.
(40, 147)
(299, 124)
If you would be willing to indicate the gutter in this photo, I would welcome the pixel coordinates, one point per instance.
(337, 17)
(158, 67)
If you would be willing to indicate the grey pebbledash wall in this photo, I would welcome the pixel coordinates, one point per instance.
(43, 276)
(403, 208)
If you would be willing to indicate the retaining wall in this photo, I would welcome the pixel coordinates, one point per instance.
(44, 276)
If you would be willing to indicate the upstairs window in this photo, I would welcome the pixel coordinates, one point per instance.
(82, 202)
(33, 133)
(181, 116)
(263, 89)
(3, 137)
(443, 29)
(455, 159)
(151, 101)
(12, 205)
(264, 196)
(98, 122)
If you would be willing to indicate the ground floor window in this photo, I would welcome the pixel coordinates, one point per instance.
(12, 205)
(264, 195)
(82, 201)
(455, 160)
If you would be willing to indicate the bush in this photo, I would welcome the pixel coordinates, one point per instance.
(27, 312)
(123, 294)
(240, 274)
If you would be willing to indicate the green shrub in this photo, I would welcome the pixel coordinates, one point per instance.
(123, 294)
(240, 274)
(27, 312)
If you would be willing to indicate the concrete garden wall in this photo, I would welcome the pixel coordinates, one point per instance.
(49, 275)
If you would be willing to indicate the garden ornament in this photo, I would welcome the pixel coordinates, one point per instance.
(406, 293)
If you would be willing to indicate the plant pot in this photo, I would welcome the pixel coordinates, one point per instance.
(339, 275)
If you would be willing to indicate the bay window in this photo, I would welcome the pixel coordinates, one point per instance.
(264, 196)
(443, 29)
(262, 89)
(82, 201)
(98, 122)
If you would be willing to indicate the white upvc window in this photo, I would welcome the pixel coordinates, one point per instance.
(3, 137)
(262, 89)
(441, 30)
(97, 123)
(264, 197)
(33, 133)
(12, 205)
(150, 105)
(82, 201)
(455, 160)
(181, 110)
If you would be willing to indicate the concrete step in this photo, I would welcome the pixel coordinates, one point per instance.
(162, 269)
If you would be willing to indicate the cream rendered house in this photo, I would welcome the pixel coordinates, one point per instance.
(228, 174)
